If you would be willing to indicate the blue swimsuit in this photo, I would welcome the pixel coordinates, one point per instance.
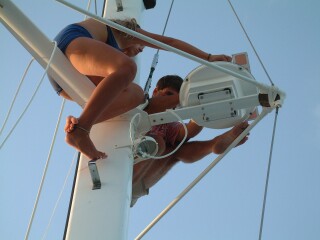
(67, 35)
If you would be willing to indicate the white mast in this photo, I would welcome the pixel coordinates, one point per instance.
(104, 213)
(95, 214)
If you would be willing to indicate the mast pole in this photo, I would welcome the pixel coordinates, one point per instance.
(104, 213)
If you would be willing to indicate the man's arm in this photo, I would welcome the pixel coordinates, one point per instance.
(162, 103)
(193, 130)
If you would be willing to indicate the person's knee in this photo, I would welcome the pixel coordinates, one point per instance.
(129, 69)
(138, 93)
(135, 93)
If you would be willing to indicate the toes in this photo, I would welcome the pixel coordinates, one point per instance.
(71, 121)
(103, 155)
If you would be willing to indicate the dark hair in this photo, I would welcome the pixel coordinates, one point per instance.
(172, 81)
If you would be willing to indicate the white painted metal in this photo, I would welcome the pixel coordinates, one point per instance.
(131, 9)
(220, 107)
(40, 47)
(103, 213)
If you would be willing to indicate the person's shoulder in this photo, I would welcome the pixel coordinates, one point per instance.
(175, 124)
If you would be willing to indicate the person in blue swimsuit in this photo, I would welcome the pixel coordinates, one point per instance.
(104, 55)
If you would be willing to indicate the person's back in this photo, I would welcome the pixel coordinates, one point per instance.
(96, 29)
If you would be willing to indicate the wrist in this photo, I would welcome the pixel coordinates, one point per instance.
(209, 56)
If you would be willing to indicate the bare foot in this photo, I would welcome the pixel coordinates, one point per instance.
(79, 139)
(70, 123)
(222, 142)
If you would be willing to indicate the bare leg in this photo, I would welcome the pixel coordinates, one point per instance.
(152, 170)
(94, 58)
(128, 99)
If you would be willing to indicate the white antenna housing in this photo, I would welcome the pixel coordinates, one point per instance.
(207, 85)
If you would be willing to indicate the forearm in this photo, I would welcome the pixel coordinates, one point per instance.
(188, 48)
(191, 152)
(181, 45)
(173, 42)
(193, 129)
(160, 104)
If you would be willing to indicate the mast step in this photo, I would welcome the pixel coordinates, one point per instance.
(94, 174)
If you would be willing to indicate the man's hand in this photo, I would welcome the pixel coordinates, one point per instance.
(222, 57)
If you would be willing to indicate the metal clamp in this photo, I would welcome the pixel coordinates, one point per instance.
(94, 174)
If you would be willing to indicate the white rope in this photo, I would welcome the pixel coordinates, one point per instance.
(268, 173)
(132, 124)
(32, 97)
(248, 38)
(180, 144)
(50, 151)
(59, 197)
(197, 180)
(16, 95)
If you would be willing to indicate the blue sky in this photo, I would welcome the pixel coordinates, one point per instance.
(227, 203)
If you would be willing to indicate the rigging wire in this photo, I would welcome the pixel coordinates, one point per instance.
(32, 97)
(268, 173)
(59, 197)
(203, 173)
(95, 7)
(88, 8)
(50, 151)
(45, 170)
(274, 125)
(248, 38)
(16, 95)
(155, 58)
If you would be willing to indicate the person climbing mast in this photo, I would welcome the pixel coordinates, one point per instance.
(103, 54)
